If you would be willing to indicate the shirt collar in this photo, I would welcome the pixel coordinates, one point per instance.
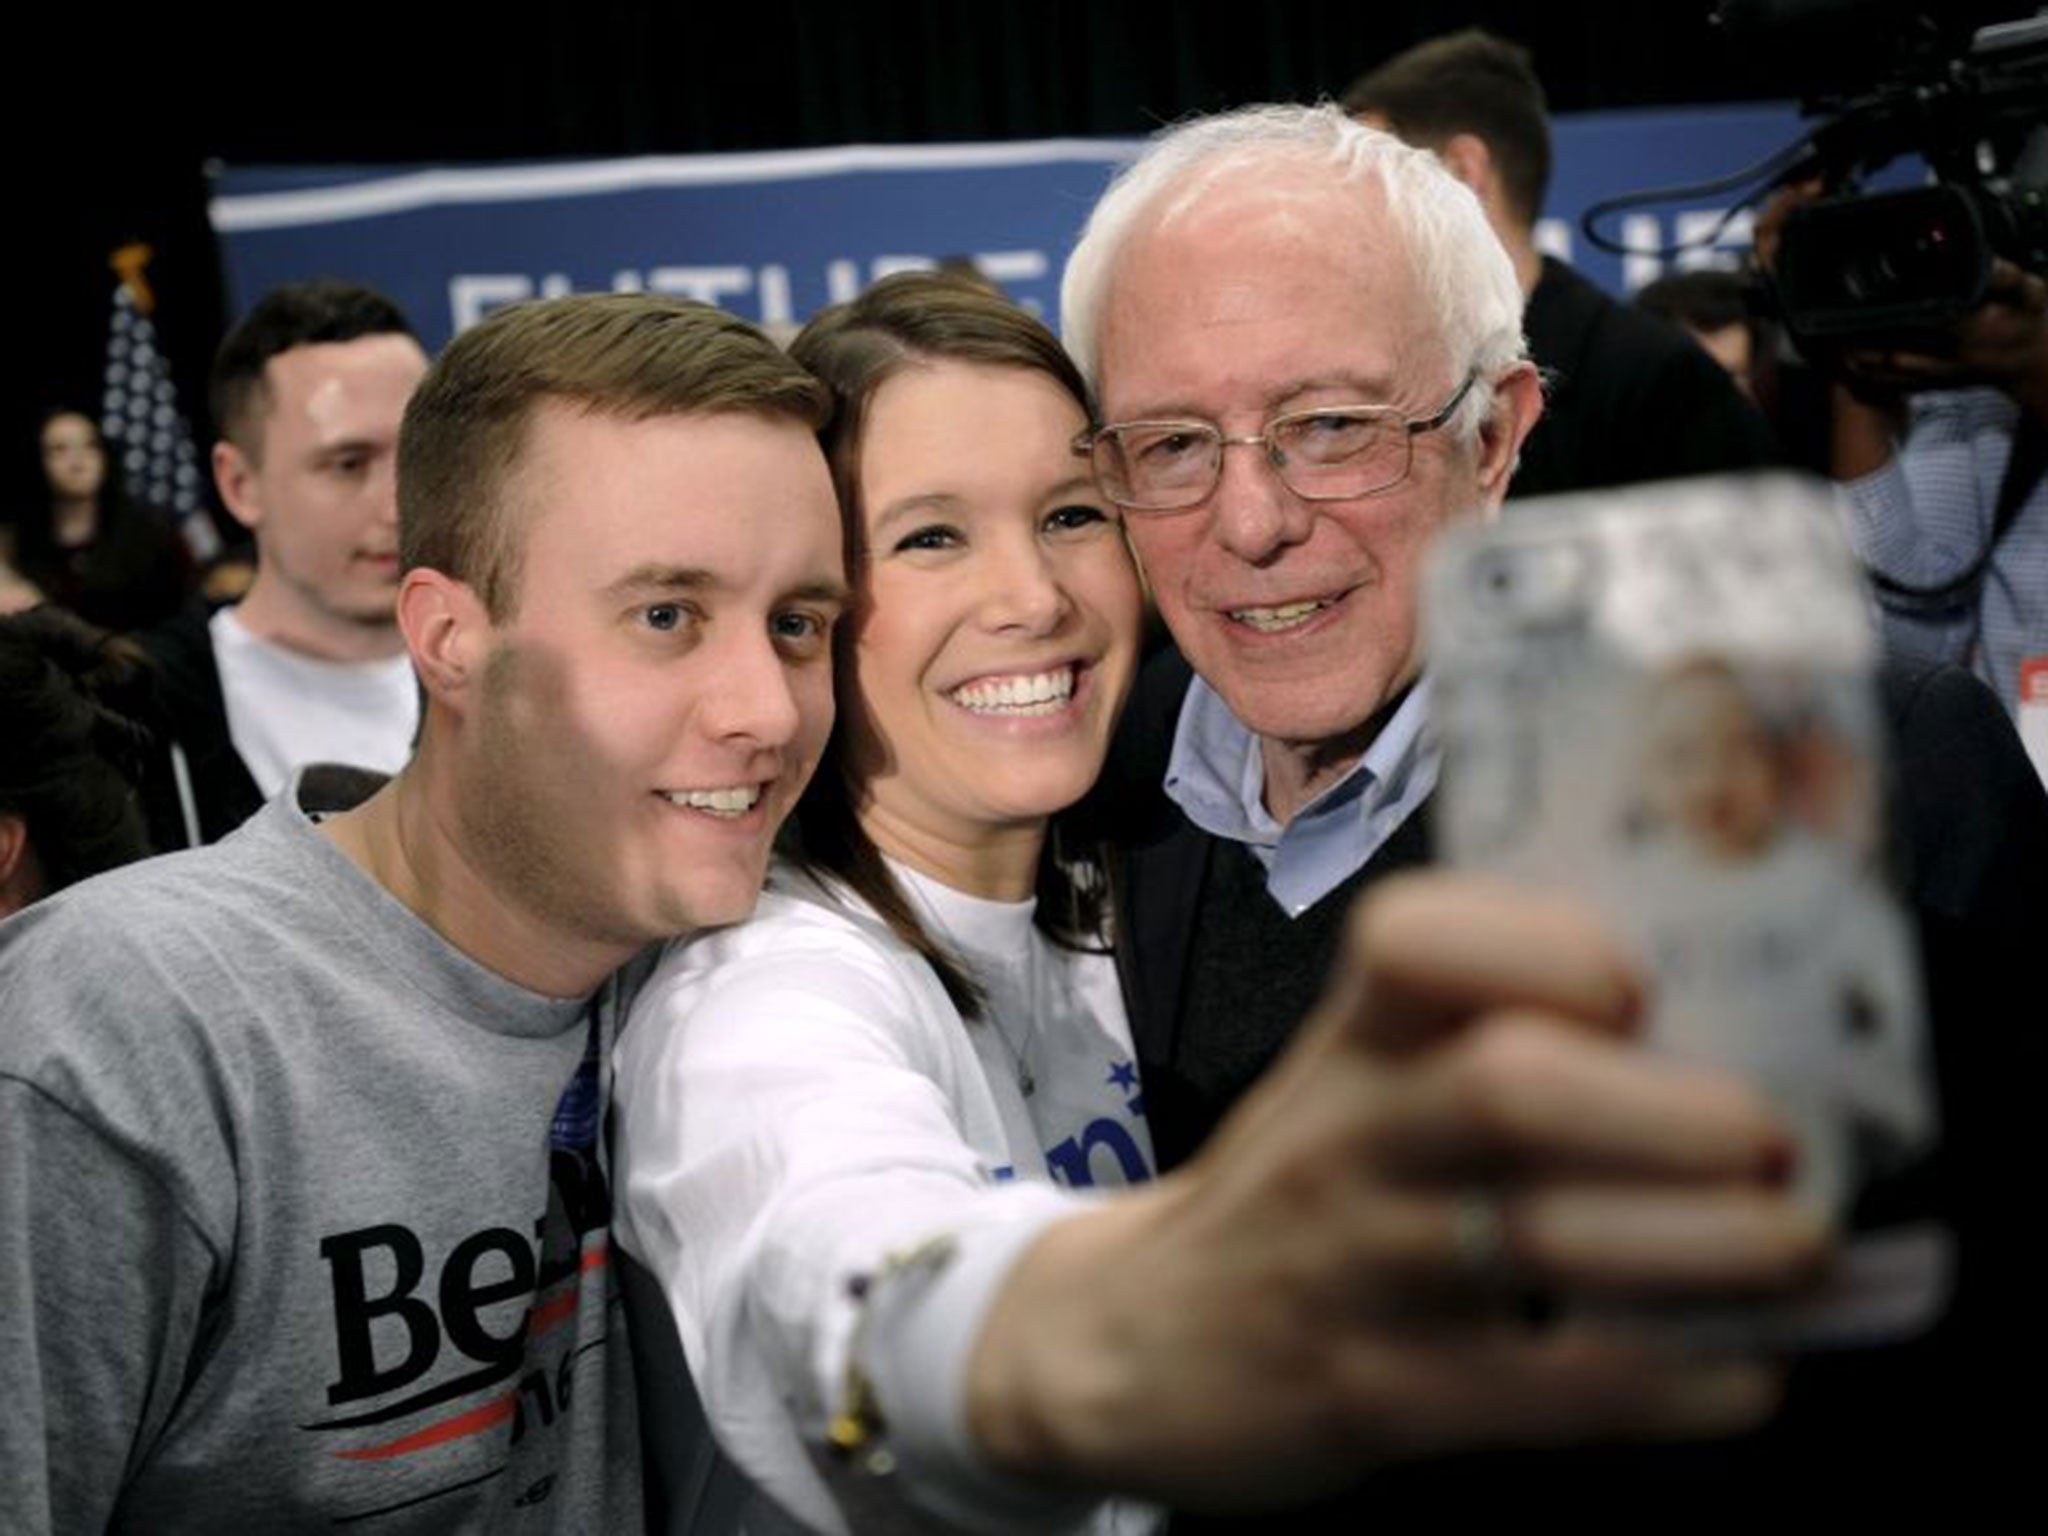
(1216, 775)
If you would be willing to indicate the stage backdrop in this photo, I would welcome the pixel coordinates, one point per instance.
(773, 236)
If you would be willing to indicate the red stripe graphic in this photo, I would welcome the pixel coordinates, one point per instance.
(477, 1420)
(474, 1422)
(548, 1314)
(551, 1312)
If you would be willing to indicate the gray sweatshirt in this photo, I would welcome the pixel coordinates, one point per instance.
(304, 1216)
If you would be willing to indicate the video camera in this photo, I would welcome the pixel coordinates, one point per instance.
(1859, 269)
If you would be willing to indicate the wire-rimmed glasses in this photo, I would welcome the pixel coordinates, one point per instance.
(1326, 453)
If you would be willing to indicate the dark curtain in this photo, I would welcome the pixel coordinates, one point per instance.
(140, 106)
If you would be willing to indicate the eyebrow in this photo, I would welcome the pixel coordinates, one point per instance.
(656, 577)
(1372, 388)
(1369, 388)
(916, 506)
(343, 447)
(1082, 484)
(833, 593)
(1079, 484)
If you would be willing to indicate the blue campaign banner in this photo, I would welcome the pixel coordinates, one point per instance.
(1602, 155)
(775, 236)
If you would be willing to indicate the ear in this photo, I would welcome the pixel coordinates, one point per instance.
(235, 475)
(13, 843)
(1466, 157)
(21, 880)
(1517, 403)
(446, 629)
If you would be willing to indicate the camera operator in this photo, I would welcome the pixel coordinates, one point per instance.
(1942, 453)
(1943, 457)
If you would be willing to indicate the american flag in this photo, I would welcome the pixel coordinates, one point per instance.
(145, 431)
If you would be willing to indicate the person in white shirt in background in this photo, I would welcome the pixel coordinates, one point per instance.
(309, 666)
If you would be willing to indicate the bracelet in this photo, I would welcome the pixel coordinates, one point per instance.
(856, 1432)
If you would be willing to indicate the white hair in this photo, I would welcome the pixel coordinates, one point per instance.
(1464, 272)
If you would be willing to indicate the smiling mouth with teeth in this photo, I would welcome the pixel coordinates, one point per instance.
(727, 803)
(1039, 693)
(1270, 621)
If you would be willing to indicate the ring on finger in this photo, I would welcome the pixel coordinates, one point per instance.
(1479, 1235)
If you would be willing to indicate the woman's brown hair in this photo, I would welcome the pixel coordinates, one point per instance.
(906, 321)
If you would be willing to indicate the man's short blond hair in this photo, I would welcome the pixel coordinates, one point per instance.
(631, 356)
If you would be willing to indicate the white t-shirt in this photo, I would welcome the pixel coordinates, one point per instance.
(286, 710)
(799, 1102)
(1054, 1026)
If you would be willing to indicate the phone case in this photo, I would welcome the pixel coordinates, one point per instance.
(1663, 700)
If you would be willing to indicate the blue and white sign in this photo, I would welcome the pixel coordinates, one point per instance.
(773, 237)
(1601, 155)
(776, 236)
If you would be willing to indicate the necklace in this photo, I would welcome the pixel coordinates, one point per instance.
(1021, 1050)
(1012, 978)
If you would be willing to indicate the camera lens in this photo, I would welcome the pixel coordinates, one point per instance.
(1870, 278)
(1883, 263)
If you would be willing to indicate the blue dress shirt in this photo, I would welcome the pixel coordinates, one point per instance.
(1217, 776)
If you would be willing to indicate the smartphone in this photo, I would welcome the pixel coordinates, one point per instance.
(1663, 699)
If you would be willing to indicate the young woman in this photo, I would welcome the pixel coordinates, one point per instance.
(884, 1077)
(87, 547)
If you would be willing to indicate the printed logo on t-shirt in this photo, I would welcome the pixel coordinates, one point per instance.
(475, 1378)
(1072, 1161)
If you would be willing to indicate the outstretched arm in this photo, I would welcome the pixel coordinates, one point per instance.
(1332, 1285)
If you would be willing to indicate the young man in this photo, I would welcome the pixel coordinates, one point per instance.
(305, 1179)
(309, 666)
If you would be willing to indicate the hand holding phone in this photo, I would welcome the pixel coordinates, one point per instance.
(1663, 700)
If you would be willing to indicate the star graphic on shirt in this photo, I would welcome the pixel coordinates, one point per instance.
(1124, 1075)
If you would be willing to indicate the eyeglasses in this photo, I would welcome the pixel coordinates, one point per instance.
(1330, 453)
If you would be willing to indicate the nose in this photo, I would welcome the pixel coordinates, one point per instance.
(1023, 590)
(753, 699)
(1252, 513)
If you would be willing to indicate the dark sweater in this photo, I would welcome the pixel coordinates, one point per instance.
(193, 714)
(1252, 972)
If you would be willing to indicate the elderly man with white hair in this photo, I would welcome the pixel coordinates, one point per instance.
(1307, 350)
(1333, 303)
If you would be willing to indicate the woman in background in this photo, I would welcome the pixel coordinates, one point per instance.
(88, 548)
(920, 1034)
